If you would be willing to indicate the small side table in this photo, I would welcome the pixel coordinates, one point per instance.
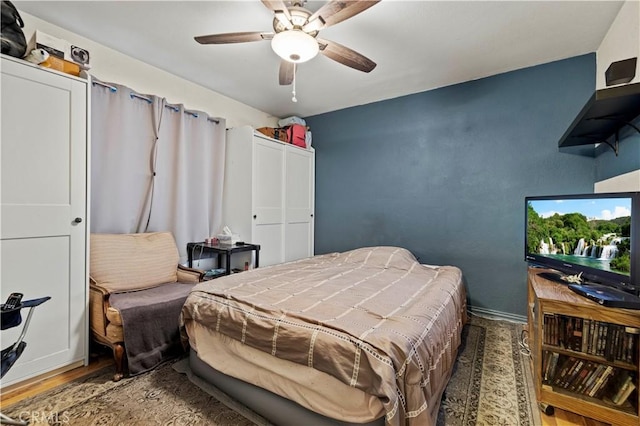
(225, 250)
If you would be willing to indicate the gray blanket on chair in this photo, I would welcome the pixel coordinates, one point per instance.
(150, 320)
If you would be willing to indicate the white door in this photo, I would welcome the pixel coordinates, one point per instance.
(268, 201)
(43, 171)
(299, 195)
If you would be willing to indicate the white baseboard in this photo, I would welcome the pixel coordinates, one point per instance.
(491, 314)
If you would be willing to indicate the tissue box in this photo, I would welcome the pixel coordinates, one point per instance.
(227, 240)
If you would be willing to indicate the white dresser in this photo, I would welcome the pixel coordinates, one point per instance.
(269, 195)
(44, 213)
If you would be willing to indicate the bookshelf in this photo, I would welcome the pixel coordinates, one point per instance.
(585, 356)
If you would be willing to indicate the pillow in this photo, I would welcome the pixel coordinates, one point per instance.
(127, 262)
(380, 257)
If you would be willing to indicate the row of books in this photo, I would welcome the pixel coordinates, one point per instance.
(612, 341)
(587, 377)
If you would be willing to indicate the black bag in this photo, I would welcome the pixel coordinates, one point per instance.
(13, 41)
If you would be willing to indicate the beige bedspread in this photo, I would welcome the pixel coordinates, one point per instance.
(374, 318)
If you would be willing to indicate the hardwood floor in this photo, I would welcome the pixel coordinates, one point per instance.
(14, 395)
(30, 388)
(566, 418)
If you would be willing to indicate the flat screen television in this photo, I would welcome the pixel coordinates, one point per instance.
(596, 236)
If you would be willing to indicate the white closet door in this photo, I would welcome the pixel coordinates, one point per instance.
(44, 134)
(299, 184)
(268, 201)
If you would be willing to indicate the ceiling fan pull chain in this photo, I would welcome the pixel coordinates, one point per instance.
(293, 99)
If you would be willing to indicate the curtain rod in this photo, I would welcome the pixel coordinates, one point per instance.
(191, 113)
(99, 83)
(135, 95)
(144, 98)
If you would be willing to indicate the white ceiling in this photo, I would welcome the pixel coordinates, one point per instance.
(418, 45)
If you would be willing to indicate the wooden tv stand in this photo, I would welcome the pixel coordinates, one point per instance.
(572, 329)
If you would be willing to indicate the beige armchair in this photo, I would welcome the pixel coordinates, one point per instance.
(137, 288)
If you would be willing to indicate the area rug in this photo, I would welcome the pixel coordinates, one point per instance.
(492, 382)
(491, 385)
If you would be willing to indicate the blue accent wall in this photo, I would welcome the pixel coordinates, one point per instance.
(609, 165)
(444, 173)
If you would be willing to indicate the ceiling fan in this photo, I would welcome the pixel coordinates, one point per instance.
(295, 35)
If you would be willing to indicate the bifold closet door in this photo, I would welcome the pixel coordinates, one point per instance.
(44, 175)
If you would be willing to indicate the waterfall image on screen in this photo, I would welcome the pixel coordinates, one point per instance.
(591, 232)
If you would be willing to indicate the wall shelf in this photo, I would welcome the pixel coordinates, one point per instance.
(604, 115)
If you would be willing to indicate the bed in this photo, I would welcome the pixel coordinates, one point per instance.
(367, 336)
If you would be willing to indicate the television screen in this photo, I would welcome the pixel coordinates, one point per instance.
(589, 234)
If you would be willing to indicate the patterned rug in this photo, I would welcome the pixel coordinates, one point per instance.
(491, 385)
(492, 382)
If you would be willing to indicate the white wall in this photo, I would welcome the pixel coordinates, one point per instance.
(113, 66)
(621, 42)
(621, 183)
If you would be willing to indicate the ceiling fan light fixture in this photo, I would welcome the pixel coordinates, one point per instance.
(295, 46)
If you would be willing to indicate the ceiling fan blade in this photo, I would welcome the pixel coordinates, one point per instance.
(281, 12)
(276, 5)
(346, 56)
(336, 11)
(233, 37)
(287, 71)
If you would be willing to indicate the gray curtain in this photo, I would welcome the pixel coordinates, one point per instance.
(154, 166)
(122, 140)
(190, 163)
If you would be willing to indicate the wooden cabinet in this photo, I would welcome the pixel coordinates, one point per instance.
(268, 195)
(44, 213)
(583, 352)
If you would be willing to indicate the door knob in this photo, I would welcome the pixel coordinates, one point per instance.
(255, 216)
(78, 220)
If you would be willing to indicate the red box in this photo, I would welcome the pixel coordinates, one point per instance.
(296, 134)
